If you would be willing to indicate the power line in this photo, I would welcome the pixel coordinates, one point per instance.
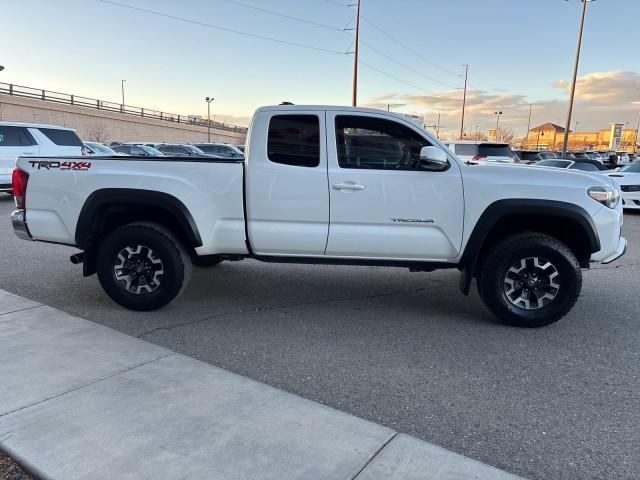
(217, 27)
(418, 54)
(389, 57)
(396, 78)
(278, 14)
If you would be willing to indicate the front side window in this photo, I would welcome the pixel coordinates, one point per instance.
(374, 143)
(294, 140)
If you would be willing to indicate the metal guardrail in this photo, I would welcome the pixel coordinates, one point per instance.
(79, 101)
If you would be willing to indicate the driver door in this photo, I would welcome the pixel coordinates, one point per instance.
(383, 203)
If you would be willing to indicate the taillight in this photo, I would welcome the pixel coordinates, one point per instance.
(478, 157)
(19, 181)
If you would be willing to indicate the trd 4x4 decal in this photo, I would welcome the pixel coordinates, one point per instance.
(66, 165)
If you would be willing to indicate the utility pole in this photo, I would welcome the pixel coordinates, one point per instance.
(208, 100)
(573, 81)
(637, 130)
(497, 114)
(464, 99)
(122, 85)
(354, 96)
(529, 122)
(477, 133)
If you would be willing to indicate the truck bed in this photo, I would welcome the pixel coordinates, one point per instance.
(210, 190)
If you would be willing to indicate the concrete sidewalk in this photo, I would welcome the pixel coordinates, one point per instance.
(80, 401)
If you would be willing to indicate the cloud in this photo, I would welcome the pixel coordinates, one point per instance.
(610, 88)
(601, 98)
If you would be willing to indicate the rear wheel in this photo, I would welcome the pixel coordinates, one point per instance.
(142, 266)
(529, 280)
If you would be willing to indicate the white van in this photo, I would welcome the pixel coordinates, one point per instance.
(31, 139)
(482, 152)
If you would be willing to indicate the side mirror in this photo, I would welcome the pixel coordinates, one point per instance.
(433, 158)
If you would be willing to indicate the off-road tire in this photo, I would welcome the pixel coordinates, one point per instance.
(166, 254)
(506, 255)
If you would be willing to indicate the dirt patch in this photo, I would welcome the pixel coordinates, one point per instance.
(10, 470)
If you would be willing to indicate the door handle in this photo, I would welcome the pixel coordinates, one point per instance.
(347, 186)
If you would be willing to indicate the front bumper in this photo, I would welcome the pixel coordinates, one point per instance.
(622, 249)
(20, 225)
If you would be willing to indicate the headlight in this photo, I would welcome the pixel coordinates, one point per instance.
(608, 196)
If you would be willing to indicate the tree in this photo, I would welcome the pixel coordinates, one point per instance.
(97, 133)
(505, 135)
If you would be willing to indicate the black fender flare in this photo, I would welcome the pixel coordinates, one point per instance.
(520, 206)
(133, 197)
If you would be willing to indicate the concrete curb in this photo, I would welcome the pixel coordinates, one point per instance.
(83, 401)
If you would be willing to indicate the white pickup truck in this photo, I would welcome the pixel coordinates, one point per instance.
(335, 185)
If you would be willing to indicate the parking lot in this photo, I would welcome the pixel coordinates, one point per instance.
(406, 350)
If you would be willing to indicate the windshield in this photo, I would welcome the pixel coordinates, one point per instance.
(633, 168)
(152, 151)
(554, 163)
(98, 147)
(195, 150)
(547, 155)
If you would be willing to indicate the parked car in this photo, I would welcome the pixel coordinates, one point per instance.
(482, 152)
(533, 156)
(623, 158)
(584, 164)
(182, 150)
(220, 149)
(632, 157)
(336, 185)
(629, 179)
(593, 155)
(33, 139)
(138, 150)
(98, 149)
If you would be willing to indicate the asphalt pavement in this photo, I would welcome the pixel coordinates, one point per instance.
(406, 350)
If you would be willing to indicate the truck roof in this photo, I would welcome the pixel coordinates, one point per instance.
(32, 125)
(293, 108)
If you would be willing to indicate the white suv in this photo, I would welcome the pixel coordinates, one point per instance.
(482, 152)
(30, 139)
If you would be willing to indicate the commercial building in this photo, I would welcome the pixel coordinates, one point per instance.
(550, 136)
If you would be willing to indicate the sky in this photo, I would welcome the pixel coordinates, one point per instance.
(412, 52)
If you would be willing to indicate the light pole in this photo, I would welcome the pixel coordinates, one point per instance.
(122, 86)
(477, 132)
(573, 81)
(497, 114)
(208, 100)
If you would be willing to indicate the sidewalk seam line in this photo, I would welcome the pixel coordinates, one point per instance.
(93, 382)
(22, 309)
(375, 455)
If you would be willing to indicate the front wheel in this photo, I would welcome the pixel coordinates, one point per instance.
(529, 280)
(142, 266)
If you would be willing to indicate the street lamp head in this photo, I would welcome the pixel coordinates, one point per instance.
(208, 99)
(1, 68)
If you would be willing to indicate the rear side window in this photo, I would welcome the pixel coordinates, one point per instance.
(489, 150)
(586, 167)
(466, 149)
(67, 138)
(294, 140)
(10, 137)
